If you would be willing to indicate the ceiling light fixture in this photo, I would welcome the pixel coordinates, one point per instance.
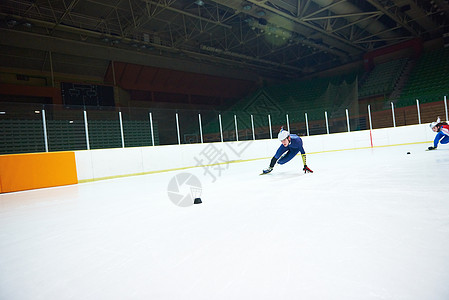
(12, 23)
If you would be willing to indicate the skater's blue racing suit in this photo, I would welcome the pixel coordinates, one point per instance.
(285, 154)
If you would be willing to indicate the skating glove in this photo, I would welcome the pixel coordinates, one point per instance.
(432, 148)
(306, 169)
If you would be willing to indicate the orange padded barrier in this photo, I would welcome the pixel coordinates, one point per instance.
(20, 172)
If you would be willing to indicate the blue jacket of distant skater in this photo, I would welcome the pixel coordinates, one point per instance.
(442, 136)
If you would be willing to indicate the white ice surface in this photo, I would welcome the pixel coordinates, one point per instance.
(368, 224)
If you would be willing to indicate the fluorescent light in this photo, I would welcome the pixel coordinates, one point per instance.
(12, 23)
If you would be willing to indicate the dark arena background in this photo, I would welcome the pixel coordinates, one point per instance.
(219, 57)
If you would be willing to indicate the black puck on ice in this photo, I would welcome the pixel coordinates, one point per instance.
(408, 152)
(197, 201)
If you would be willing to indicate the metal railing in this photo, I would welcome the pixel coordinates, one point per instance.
(28, 128)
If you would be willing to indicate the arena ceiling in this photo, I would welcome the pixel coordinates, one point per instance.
(240, 39)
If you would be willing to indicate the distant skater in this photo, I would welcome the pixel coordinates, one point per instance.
(442, 137)
(291, 145)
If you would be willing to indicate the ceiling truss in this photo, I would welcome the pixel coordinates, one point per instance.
(277, 38)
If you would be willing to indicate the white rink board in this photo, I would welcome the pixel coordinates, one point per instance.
(97, 164)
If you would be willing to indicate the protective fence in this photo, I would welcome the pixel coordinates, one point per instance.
(28, 128)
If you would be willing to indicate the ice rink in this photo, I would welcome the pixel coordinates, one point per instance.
(367, 224)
